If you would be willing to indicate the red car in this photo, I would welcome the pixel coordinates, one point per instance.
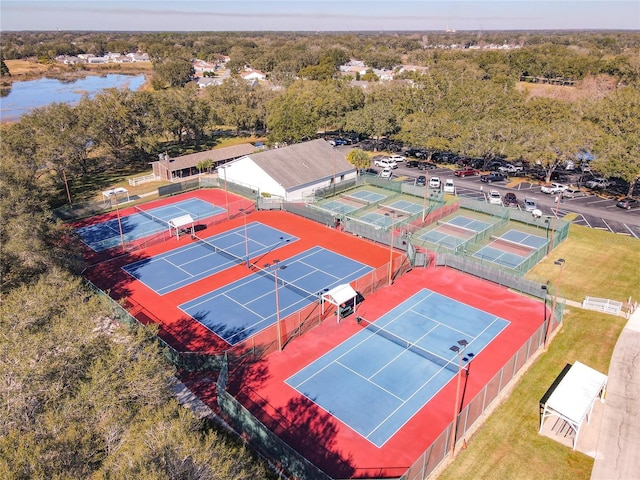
(466, 172)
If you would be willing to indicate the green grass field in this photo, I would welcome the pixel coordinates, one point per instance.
(508, 445)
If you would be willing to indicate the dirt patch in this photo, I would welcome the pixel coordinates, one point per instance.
(590, 87)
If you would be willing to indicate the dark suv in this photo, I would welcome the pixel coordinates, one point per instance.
(492, 177)
(421, 181)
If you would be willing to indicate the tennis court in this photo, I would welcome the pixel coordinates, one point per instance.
(511, 248)
(405, 207)
(385, 215)
(347, 203)
(204, 257)
(379, 378)
(105, 235)
(247, 306)
(454, 232)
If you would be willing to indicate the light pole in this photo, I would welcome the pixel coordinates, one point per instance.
(424, 202)
(246, 237)
(392, 215)
(559, 262)
(115, 194)
(545, 288)
(459, 349)
(226, 192)
(276, 266)
(335, 170)
(553, 227)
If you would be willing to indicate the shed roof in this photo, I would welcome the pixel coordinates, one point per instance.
(302, 163)
(573, 398)
(215, 155)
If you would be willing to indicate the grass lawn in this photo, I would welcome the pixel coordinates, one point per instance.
(508, 446)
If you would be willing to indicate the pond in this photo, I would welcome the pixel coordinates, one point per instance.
(21, 97)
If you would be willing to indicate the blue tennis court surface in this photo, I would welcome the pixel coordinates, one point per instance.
(454, 232)
(374, 385)
(104, 235)
(336, 206)
(367, 196)
(182, 266)
(404, 206)
(247, 306)
(469, 223)
(523, 238)
(502, 254)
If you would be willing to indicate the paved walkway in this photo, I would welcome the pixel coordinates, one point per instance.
(618, 451)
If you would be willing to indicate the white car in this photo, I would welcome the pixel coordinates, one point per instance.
(495, 198)
(509, 168)
(553, 189)
(386, 173)
(434, 182)
(573, 192)
(385, 163)
(449, 186)
(529, 205)
(398, 158)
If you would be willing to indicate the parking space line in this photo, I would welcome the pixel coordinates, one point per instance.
(599, 201)
(630, 230)
(607, 225)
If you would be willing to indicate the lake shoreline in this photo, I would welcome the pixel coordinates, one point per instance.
(31, 70)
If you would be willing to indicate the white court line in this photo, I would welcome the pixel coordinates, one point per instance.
(607, 225)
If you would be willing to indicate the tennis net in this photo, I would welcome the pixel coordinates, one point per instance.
(289, 285)
(456, 229)
(221, 251)
(511, 246)
(406, 344)
(151, 217)
(353, 199)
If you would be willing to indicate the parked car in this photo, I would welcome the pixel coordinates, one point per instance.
(598, 183)
(369, 171)
(553, 188)
(466, 172)
(509, 168)
(398, 158)
(573, 192)
(434, 182)
(385, 163)
(412, 164)
(426, 166)
(510, 200)
(492, 177)
(386, 173)
(628, 203)
(495, 198)
(529, 205)
(449, 186)
(421, 181)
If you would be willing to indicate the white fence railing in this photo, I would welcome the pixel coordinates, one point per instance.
(144, 179)
(602, 305)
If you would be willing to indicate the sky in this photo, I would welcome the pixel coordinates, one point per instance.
(318, 15)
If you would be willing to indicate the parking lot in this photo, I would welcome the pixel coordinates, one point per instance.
(591, 210)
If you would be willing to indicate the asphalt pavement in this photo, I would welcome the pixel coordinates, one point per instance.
(618, 448)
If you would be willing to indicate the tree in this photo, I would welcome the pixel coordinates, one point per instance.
(174, 72)
(359, 159)
(116, 121)
(4, 70)
(618, 148)
(374, 120)
(292, 116)
(205, 165)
